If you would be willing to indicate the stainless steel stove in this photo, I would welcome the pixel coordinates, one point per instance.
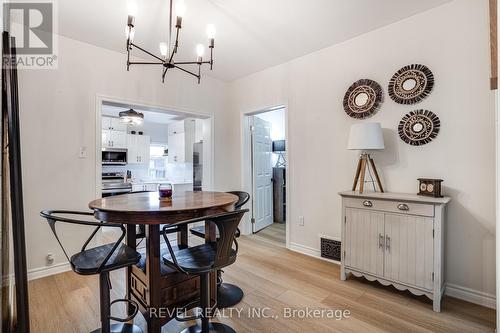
(113, 183)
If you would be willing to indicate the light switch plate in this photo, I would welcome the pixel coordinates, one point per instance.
(83, 152)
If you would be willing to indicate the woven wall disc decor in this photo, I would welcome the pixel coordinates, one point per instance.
(411, 84)
(363, 98)
(419, 127)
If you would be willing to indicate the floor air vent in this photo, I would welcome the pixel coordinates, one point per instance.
(330, 249)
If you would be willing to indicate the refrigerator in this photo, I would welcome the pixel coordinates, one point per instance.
(197, 166)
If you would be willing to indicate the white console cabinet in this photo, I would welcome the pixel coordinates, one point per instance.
(396, 239)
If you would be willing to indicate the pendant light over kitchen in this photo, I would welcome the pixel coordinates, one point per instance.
(131, 117)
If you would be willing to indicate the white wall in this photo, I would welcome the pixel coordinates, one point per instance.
(58, 116)
(452, 40)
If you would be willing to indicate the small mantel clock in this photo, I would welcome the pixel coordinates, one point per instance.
(430, 187)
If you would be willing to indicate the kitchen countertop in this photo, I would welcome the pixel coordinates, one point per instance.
(157, 181)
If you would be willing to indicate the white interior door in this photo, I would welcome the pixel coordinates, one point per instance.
(262, 173)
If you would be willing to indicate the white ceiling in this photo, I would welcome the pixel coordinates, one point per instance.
(149, 116)
(251, 34)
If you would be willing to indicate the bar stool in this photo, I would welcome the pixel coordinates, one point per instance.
(227, 294)
(203, 259)
(99, 260)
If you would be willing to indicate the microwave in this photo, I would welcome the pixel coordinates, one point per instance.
(114, 156)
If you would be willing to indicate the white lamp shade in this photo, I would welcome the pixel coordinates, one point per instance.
(366, 136)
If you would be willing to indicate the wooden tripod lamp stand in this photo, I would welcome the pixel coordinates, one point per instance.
(366, 137)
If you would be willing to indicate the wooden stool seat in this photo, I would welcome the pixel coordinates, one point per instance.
(88, 261)
(197, 259)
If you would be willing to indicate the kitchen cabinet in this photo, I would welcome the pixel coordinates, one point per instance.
(176, 148)
(138, 148)
(114, 139)
(395, 239)
(113, 124)
(360, 240)
(176, 127)
(181, 188)
(180, 141)
(148, 187)
(198, 130)
(114, 133)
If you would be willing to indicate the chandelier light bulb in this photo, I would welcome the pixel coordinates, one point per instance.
(132, 8)
(130, 33)
(163, 49)
(180, 8)
(211, 31)
(200, 50)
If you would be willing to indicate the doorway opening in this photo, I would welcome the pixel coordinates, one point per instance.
(265, 166)
(167, 146)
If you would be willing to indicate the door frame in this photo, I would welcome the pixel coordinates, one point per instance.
(246, 168)
(100, 99)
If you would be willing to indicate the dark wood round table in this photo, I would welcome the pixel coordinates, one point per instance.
(150, 285)
(147, 208)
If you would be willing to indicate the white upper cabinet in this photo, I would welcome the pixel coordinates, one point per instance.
(180, 141)
(118, 125)
(114, 124)
(138, 148)
(114, 133)
(198, 130)
(176, 128)
(176, 148)
(118, 139)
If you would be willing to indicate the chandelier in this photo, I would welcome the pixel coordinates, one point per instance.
(131, 117)
(169, 49)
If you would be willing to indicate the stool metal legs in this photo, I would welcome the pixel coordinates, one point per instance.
(105, 309)
(228, 294)
(207, 326)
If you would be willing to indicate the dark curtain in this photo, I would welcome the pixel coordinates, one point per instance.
(13, 283)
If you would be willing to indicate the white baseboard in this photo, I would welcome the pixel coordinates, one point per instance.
(452, 290)
(471, 295)
(309, 251)
(41, 272)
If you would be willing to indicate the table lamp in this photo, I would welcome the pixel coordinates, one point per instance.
(366, 137)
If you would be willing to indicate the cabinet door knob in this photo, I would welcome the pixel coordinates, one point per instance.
(387, 243)
(367, 203)
(403, 207)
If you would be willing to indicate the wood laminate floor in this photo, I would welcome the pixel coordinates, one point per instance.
(277, 281)
(275, 233)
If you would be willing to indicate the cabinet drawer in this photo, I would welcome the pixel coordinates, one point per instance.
(181, 292)
(400, 207)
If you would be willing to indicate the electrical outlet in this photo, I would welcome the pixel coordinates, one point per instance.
(301, 220)
(50, 258)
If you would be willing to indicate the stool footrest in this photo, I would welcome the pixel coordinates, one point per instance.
(196, 316)
(125, 300)
(122, 328)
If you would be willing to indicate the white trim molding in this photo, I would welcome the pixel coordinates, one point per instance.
(309, 251)
(471, 295)
(40, 272)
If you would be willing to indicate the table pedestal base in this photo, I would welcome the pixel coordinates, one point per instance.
(121, 328)
(212, 328)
